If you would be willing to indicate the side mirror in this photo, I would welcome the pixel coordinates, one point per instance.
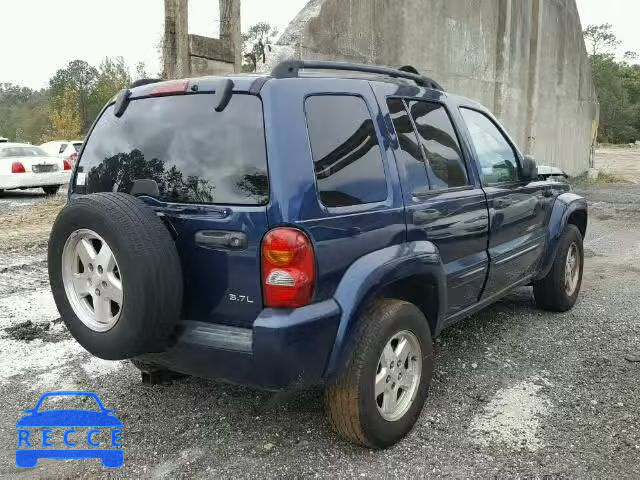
(529, 168)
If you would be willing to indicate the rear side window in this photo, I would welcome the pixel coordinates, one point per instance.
(191, 152)
(445, 163)
(63, 147)
(346, 154)
(77, 147)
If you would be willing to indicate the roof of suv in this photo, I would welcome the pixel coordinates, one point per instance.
(292, 70)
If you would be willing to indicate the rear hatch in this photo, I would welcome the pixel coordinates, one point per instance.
(205, 172)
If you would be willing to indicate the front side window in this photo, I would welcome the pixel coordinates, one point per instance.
(346, 154)
(445, 163)
(181, 145)
(497, 160)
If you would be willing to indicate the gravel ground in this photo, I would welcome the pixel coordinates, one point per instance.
(517, 392)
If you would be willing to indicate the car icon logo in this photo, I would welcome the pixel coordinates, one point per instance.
(84, 433)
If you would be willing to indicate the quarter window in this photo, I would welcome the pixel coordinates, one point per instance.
(409, 156)
(445, 163)
(346, 154)
(497, 161)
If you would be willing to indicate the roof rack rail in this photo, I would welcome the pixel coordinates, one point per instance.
(291, 69)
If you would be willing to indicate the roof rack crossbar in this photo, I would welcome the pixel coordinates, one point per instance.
(291, 69)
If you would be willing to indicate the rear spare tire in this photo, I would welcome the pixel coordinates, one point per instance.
(115, 275)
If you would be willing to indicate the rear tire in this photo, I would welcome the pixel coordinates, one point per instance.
(51, 189)
(559, 289)
(353, 409)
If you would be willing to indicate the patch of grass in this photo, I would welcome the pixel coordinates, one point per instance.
(604, 178)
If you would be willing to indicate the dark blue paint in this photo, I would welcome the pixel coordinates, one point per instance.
(476, 243)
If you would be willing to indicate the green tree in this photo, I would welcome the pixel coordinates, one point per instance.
(256, 43)
(23, 113)
(64, 116)
(617, 85)
(601, 39)
(113, 76)
(80, 78)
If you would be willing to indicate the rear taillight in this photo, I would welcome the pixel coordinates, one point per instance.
(17, 167)
(67, 165)
(288, 268)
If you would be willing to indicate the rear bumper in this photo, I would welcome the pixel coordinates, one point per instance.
(32, 180)
(285, 348)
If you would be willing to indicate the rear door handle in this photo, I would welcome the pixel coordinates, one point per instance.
(221, 240)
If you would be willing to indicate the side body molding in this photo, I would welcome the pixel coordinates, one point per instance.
(564, 206)
(369, 275)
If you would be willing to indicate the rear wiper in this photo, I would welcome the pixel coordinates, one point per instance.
(182, 209)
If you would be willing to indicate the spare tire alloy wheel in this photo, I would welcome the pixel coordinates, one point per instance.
(92, 280)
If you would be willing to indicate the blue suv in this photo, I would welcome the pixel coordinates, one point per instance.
(316, 226)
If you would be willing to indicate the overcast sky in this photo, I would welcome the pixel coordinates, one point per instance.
(39, 36)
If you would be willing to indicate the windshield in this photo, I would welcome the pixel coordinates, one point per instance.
(190, 152)
(22, 152)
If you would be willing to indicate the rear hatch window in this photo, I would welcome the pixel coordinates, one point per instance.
(192, 153)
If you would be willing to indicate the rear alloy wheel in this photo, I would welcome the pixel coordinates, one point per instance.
(398, 375)
(379, 395)
(51, 189)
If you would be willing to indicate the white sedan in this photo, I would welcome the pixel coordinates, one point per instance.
(26, 166)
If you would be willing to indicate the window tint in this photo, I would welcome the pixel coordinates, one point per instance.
(497, 159)
(409, 158)
(346, 154)
(62, 148)
(191, 152)
(445, 164)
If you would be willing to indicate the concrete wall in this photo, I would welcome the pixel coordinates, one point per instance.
(524, 59)
(186, 55)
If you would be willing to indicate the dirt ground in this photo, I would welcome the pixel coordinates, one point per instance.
(517, 393)
(623, 162)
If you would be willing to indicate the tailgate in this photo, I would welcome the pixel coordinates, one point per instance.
(205, 171)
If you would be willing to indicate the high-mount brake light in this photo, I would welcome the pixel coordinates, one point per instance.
(170, 88)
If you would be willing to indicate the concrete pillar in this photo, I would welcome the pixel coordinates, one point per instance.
(230, 30)
(534, 74)
(175, 53)
(502, 56)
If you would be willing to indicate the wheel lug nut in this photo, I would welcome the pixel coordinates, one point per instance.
(90, 267)
(388, 379)
(393, 385)
(399, 363)
(104, 284)
(97, 291)
(100, 269)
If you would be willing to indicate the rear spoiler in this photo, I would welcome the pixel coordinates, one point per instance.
(221, 88)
